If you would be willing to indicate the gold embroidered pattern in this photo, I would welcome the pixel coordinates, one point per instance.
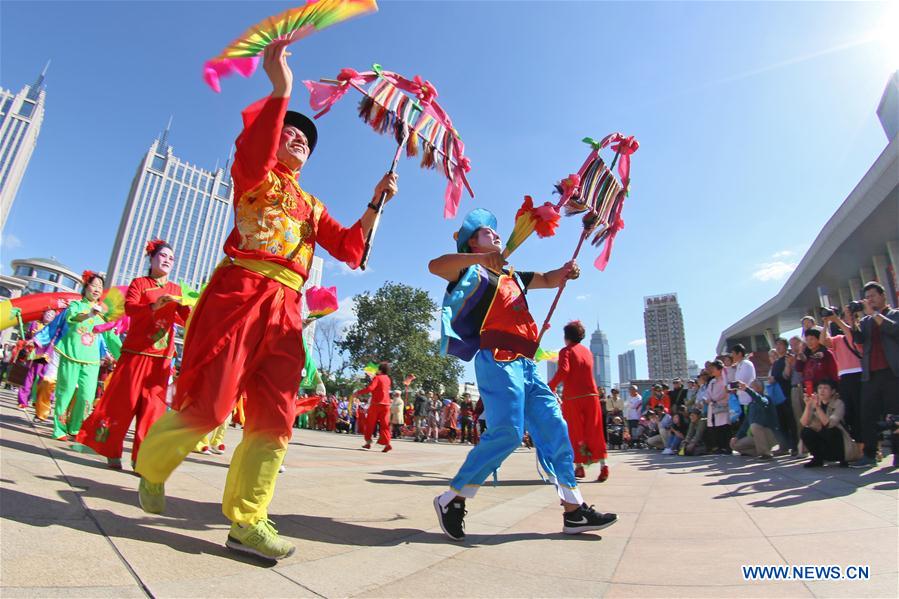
(272, 219)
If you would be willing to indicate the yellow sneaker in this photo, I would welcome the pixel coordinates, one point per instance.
(151, 496)
(260, 539)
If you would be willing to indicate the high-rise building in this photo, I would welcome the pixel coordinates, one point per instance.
(602, 365)
(551, 369)
(170, 199)
(21, 115)
(666, 347)
(692, 369)
(627, 366)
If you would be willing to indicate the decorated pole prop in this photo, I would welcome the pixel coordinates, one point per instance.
(408, 109)
(363, 264)
(596, 193)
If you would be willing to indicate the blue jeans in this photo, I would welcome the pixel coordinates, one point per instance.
(517, 400)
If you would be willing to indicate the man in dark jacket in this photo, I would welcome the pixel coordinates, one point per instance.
(878, 332)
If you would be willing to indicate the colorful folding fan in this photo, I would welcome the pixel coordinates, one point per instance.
(242, 55)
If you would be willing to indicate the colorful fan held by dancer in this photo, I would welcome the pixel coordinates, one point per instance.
(408, 109)
(543, 219)
(242, 55)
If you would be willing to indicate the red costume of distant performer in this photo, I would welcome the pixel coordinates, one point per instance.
(580, 401)
(379, 408)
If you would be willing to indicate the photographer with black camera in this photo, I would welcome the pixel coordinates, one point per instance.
(822, 427)
(849, 360)
(878, 332)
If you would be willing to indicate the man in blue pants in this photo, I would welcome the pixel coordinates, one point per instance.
(486, 317)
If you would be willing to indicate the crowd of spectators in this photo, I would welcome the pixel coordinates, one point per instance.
(832, 395)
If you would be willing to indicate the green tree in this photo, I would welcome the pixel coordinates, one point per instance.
(393, 325)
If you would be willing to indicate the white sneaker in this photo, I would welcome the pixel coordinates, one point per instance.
(282, 468)
(667, 451)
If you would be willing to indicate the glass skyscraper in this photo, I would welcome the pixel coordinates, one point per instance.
(21, 115)
(185, 205)
(602, 365)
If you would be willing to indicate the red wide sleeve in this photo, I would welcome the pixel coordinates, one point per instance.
(369, 388)
(258, 142)
(344, 244)
(137, 305)
(563, 369)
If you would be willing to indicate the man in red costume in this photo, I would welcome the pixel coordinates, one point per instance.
(580, 402)
(378, 408)
(245, 334)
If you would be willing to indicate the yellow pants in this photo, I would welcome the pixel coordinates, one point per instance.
(45, 390)
(213, 439)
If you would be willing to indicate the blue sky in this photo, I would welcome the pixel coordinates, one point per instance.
(755, 121)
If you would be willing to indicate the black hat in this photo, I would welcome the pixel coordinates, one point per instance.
(304, 124)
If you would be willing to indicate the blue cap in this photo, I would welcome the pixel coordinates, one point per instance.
(474, 220)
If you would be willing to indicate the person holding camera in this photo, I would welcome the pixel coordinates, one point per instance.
(878, 333)
(756, 436)
(849, 360)
(817, 363)
(742, 371)
(779, 377)
(822, 427)
(718, 423)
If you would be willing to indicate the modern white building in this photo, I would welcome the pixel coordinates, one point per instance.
(36, 275)
(602, 364)
(21, 115)
(859, 243)
(627, 366)
(185, 205)
(666, 346)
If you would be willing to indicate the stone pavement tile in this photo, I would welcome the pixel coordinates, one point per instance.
(690, 506)
(40, 500)
(718, 559)
(786, 590)
(618, 489)
(811, 517)
(879, 585)
(72, 591)
(587, 556)
(458, 578)
(698, 527)
(876, 548)
(38, 552)
(355, 572)
(263, 581)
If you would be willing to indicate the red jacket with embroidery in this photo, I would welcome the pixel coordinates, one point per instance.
(379, 387)
(275, 219)
(150, 332)
(576, 372)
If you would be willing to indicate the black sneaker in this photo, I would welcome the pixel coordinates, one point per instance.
(452, 518)
(813, 463)
(585, 519)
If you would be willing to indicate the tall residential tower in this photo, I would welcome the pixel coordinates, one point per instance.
(185, 205)
(666, 347)
(21, 115)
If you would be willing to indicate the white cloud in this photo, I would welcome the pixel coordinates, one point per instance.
(434, 335)
(341, 269)
(11, 242)
(637, 343)
(773, 271)
(345, 312)
(783, 254)
(582, 297)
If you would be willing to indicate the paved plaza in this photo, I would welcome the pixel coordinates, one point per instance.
(365, 527)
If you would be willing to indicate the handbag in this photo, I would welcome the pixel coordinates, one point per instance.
(776, 393)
